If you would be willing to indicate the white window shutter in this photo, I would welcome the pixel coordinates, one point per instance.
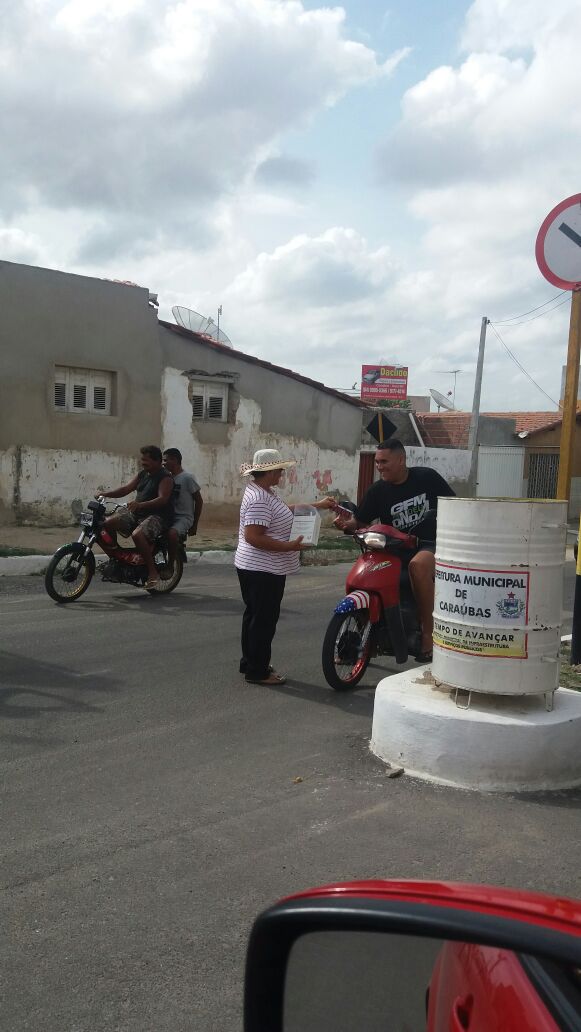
(198, 406)
(79, 395)
(215, 406)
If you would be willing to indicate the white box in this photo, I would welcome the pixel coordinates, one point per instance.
(306, 524)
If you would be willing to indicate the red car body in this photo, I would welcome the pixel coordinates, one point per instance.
(476, 988)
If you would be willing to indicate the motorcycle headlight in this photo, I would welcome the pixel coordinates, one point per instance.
(374, 540)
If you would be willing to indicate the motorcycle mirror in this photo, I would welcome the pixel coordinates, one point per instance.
(402, 960)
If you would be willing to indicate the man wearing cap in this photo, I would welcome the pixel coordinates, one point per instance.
(264, 557)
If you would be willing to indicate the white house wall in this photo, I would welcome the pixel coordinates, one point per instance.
(217, 466)
(51, 486)
(450, 463)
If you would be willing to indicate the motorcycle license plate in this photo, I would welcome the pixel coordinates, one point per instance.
(86, 519)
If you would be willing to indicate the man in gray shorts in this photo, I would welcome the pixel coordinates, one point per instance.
(150, 513)
(187, 503)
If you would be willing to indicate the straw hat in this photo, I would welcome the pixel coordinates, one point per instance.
(264, 460)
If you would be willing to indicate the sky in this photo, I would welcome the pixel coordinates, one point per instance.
(353, 184)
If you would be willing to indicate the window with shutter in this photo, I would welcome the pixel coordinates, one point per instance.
(215, 408)
(209, 400)
(79, 395)
(198, 406)
(82, 390)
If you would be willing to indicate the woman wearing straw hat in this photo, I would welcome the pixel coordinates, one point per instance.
(263, 559)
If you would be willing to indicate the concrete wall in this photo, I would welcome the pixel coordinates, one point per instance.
(497, 433)
(451, 463)
(287, 406)
(52, 318)
(49, 486)
(215, 452)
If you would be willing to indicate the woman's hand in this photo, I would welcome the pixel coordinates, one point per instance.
(325, 503)
(297, 545)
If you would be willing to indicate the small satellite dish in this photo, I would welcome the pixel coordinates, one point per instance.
(201, 324)
(441, 400)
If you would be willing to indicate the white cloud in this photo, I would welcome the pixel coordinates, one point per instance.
(147, 112)
(159, 141)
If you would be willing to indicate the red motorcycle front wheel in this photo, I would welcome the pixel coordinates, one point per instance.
(347, 649)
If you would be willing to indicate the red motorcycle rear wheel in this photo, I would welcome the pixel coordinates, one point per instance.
(347, 647)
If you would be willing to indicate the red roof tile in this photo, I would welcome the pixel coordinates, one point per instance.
(450, 429)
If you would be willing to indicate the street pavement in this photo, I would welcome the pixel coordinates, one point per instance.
(153, 803)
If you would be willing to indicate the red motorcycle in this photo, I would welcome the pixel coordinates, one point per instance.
(72, 567)
(378, 615)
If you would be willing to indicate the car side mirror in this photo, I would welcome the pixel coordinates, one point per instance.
(405, 957)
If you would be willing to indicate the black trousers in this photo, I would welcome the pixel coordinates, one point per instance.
(262, 595)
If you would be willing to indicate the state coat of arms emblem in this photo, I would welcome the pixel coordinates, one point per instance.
(510, 607)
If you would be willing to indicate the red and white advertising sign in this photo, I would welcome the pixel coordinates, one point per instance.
(558, 247)
(384, 383)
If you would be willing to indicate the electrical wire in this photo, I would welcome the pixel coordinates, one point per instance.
(521, 366)
(513, 318)
(548, 311)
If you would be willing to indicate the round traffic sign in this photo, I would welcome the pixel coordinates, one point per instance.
(558, 247)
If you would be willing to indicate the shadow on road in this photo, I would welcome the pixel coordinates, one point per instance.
(30, 688)
(568, 799)
(158, 605)
(350, 702)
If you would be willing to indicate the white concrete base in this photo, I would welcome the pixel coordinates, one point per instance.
(498, 744)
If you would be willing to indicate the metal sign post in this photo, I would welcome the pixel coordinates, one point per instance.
(570, 400)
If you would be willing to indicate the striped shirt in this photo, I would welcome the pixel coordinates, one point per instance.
(265, 509)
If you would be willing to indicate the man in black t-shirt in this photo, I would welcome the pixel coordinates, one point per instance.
(150, 513)
(407, 499)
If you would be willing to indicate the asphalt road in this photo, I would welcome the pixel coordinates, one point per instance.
(151, 802)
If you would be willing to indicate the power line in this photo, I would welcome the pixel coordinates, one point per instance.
(501, 322)
(541, 314)
(547, 313)
(521, 367)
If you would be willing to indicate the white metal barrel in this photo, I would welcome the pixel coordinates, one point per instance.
(498, 594)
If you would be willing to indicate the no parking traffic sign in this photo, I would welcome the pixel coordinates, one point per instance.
(558, 246)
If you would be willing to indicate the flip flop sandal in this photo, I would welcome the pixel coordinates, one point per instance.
(152, 585)
(272, 679)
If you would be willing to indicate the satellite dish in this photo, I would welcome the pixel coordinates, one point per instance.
(201, 324)
(441, 400)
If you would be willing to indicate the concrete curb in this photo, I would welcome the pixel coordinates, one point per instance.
(28, 565)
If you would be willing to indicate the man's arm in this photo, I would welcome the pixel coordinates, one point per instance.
(198, 506)
(120, 492)
(165, 489)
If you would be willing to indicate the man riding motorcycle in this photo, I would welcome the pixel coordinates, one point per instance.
(145, 518)
(406, 498)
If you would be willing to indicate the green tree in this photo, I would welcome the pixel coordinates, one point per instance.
(405, 403)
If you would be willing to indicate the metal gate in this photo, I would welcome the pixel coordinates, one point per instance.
(500, 472)
(543, 474)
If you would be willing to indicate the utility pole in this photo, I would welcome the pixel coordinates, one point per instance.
(219, 314)
(473, 435)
